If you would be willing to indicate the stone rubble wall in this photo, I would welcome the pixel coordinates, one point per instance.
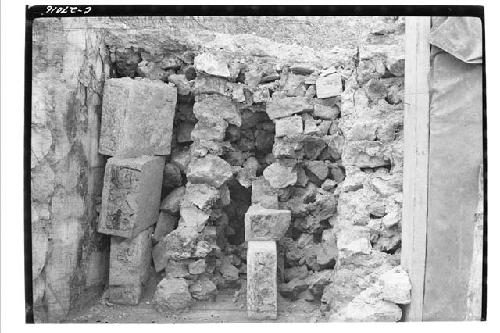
(314, 132)
(368, 221)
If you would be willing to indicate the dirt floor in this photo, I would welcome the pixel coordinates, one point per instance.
(229, 307)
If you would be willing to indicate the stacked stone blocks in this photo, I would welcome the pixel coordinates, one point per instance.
(137, 118)
(264, 227)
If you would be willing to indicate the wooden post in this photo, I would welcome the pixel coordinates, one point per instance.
(416, 153)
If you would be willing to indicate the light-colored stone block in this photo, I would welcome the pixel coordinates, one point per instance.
(137, 117)
(289, 126)
(263, 224)
(329, 86)
(262, 285)
(131, 195)
(286, 106)
(128, 267)
(264, 194)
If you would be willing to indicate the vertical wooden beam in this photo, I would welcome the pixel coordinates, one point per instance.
(416, 153)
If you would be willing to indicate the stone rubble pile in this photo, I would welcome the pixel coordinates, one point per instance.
(310, 150)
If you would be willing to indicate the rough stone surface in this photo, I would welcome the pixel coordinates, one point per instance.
(128, 267)
(365, 309)
(193, 217)
(209, 170)
(289, 126)
(262, 289)
(318, 168)
(84, 68)
(202, 196)
(137, 117)
(329, 86)
(209, 130)
(326, 112)
(263, 194)
(287, 106)
(396, 286)
(211, 64)
(189, 241)
(280, 176)
(131, 195)
(203, 289)
(197, 267)
(70, 258)
(214, 108)
(171, 203)
(266, 224)
(172, 294)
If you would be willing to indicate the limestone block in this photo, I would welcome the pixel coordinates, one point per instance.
(263, 194)
(202, 196)
(280, 175)
(262, 285)
(210, 170)
(289, 126)
(137, 117)
(317, 168)
(288, 148)
(326, 112)
(128, 267)
(172, 294)
(203, 289)
(329, 86)
(396, 286)
(365, 154)
(206, 84)
(266, 224)
(192, 216)
(214, 108)
(287, 106)
(211, 64)
(130, 195)
(197, 267)
(209, 130)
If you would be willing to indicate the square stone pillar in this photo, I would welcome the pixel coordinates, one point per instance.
(262, 284)
(128, 267)
(263, 228)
